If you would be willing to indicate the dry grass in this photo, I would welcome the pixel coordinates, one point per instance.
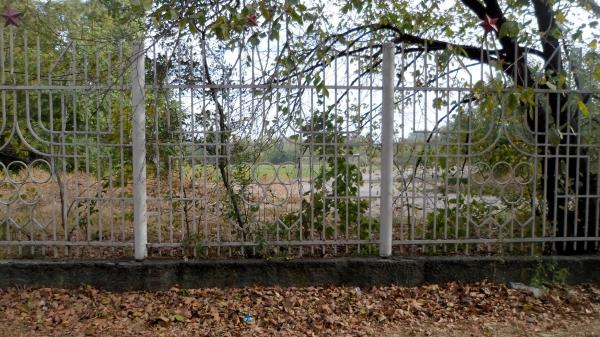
(188, 207)
(191, 205)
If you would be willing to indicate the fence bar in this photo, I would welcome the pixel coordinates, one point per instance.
(387, 151)
(140, 220)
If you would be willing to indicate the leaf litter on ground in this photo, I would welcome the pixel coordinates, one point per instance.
(474, 308)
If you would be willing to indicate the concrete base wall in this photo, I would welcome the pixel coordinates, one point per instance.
(360, 272)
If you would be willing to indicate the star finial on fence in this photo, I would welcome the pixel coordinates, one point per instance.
(11, 17)
(252, 20)
(489, 24)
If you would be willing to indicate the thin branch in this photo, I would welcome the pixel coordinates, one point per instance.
(222, 161)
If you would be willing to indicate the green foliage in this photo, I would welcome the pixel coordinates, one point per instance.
(266, 232)
(103, 21)
(84, 43)
(474, 218)
(233, 23)
(509, 29)
(63, 31)
(322, 215)
(241, 176)
(193, 246)
(454, 221)
(281, 152)
(548, 274)
(311, 37)
(491, 131)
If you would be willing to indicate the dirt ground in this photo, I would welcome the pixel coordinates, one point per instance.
(453, 310)
(470, 328)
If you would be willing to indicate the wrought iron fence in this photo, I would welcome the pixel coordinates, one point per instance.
(164, 150)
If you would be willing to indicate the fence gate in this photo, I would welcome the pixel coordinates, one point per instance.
(66, 147)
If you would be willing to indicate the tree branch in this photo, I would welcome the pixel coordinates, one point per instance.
(493, 9)
(547, 25)
(513, 56)
(472, 52)
(477, 7)
(223, 133)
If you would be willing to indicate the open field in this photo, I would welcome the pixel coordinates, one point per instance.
(190, 207)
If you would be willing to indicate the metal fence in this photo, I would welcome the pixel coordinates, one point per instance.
(155, 149)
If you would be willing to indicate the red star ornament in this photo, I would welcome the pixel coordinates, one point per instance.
(11, 17)
(252, 20)
(489, 24)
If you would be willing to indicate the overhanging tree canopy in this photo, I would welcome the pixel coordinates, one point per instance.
(533, 43)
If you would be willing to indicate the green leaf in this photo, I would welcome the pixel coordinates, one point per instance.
(265, 12)
(253, 39)
(179, 318)
(192, 28)
(220, 28)
(275, 27)
(438, 103)
(509, 29)
(358, 5)
(478, 89)
(583, 108)
(293, 14)
(346, 8)
(512, 102)
(323, 89)
(155, 19)
(560, 17)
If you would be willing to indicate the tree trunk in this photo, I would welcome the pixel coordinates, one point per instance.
(570, 188)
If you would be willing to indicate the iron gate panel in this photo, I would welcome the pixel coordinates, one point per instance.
(238, 163)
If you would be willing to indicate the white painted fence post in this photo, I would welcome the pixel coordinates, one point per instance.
(140, 220)
(387, 151)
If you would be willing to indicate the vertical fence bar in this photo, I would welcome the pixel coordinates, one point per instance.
(387, 151)
(140, 221)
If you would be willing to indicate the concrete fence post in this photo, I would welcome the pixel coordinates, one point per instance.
(140, 221)
(387, 151)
